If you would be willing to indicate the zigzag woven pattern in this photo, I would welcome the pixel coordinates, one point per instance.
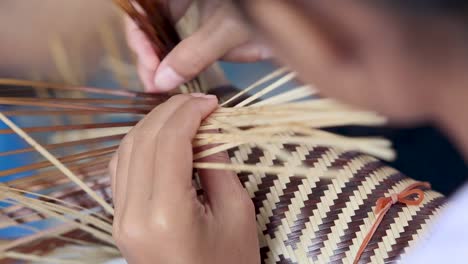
(301, 220)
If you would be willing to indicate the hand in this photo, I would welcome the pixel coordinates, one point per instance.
(221, 35)
(158, 216)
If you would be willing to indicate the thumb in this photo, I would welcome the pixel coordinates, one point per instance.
(194, 54)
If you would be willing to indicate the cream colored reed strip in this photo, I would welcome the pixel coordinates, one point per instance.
(265, 79)
(52, 174)
(382, 142)
(6, 221)
(318, 103)
(296, 128)
(56, 163)
(277, 84)
(51, 232)
(314, 120)
(214, 150)
(380, 147)
(50, 207)
(37, 259)
(278, 153)
(270, 111)
(84, 217)
(365, 145)
(39, 235)
(24, 218)
(8, 188)
(45, 233)
(226, 146)
(282, 155)
(269, 130)
(298, 93)
(301, 108)
(206, 139)
(44, 209)
(292, 171)
(300, 116)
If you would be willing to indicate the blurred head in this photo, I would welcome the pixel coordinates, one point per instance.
(398, 57)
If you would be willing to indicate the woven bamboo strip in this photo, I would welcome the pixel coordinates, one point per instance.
(56, 163)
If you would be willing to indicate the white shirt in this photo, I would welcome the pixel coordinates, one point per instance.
(448, 241)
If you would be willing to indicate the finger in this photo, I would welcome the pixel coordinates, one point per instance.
(123, 161)
(249, 52)
(172, 186)
(140, 44)
(200, 50)
(141, 168)
(146, 76)
(222, 188)
(113, 174)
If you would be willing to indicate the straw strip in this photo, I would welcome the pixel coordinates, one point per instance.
(56, 163)
(21, 102)
(277, 84)
(48, 85)
(295, 94)
(265, 79)
(70, 127)
(41, 259)
(81, 142)
(291, 171)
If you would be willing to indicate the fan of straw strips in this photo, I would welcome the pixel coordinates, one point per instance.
(315, 192)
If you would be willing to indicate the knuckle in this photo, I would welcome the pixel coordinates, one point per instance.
(161, 224)
(129, 231)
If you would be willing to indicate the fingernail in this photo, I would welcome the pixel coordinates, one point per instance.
(167, 79)
(202, 95)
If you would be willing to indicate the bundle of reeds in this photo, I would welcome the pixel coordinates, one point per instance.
(314, 190)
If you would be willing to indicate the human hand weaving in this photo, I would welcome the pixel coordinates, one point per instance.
(250, 178)
(220, 35)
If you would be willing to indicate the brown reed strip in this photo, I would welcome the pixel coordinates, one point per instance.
(82, 142)
(58, 200)
(70, 127)
(56, 163)
(54, 176)
(107, 101)
(152, 18)
(64, 214)
(64, 87)
(20, 102)
(53, 113)
(65, 159)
